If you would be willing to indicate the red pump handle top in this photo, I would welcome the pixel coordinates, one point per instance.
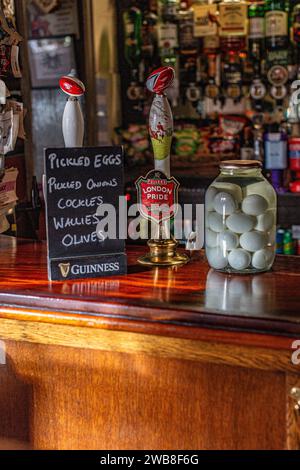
(160, 80)
(72, 86)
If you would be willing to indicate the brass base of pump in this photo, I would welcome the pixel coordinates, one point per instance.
(163, 253)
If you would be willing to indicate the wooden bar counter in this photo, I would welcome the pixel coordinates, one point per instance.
(182, 358)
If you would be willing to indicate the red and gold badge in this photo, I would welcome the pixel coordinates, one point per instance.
(157, 196)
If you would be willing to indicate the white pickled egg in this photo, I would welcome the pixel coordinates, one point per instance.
(240, 223)
(255, 205)
(225, 204)
(265, 222)
(227, 240)
(217, 258)
(209, 198)
(259, 188)
(253, 241)
(233, 189)
(239, 259)
(216, 222)
(262, 259)
(211, 239)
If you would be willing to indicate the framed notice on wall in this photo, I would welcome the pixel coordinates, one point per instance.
(63, 20)
(50, 59)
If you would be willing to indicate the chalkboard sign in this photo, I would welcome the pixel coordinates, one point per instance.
(78, 182)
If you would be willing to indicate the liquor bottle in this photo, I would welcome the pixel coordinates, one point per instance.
(188, 54)
(188, 44)
(205, 18)
(277, 36)
(294, 152)
(168, 10)
(295, 32)
(211, 49)
(256, 38)
(276, 151)
(168, 31)
(232, 76)
(258, 145)
(149, 40)
(247, 149)
(132, 20)
(277, 46)
(233, 19)
(258, 137)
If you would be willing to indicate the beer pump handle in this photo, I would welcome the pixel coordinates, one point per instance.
(73, 121)
(161, 122)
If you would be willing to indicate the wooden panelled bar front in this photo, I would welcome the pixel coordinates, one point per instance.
(180, 358)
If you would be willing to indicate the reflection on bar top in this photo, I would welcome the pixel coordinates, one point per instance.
(192, 295)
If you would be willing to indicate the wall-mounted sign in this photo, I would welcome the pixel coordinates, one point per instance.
(78, 181)
(46, 6)
(60, 22)
(50, 59)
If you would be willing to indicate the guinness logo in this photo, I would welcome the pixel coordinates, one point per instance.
(64, 269)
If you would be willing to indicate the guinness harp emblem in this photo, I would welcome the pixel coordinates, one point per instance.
(64, 269)
(46, 6)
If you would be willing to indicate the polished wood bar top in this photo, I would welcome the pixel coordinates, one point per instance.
(160, 301)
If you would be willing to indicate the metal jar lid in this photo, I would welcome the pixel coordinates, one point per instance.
(241, 165)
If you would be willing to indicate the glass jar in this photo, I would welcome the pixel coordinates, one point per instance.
(240, 217)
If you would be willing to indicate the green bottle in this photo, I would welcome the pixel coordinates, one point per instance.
(168, 32)
(288, 243)
(277, 34)
(168, 10)
(132, 19)
(256, 38)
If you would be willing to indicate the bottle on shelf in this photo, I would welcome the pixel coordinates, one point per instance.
(275, 148)
(132, 20)
(188, 55)
(168, 31)
(256, 37)
(247, 149)
(276, 155)
(205, 19)
(168, 42)
(295, 25)
(294, 156)
(149, 39)
(233, 20)
(168, 9)
(277, 47)
(280, 241)
(277, 36)
(288, 244)
(232, 77)
(258, 139)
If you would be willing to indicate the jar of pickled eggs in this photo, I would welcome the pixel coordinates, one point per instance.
(240, 217)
